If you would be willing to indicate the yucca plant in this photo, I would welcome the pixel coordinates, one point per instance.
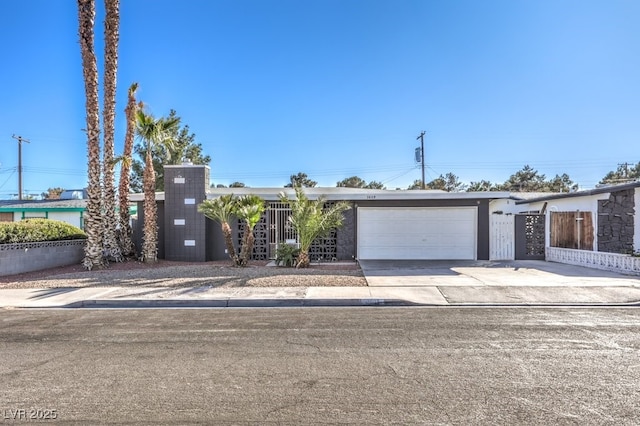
(312, 220)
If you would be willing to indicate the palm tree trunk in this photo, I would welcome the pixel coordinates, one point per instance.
(92, 218)
(125, 235)
(150, 237)
(248, 239)
(228, 240)
(303, 259)
(111, 248)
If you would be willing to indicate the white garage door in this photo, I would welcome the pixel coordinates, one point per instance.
(417, 232)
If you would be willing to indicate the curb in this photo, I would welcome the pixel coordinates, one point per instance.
(300, 303)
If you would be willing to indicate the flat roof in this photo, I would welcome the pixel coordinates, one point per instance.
(345, 194)
(587, 192)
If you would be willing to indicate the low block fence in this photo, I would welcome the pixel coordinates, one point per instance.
(29, 257)
(622, 263)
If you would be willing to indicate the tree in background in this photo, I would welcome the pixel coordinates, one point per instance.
(300, 180)
(311, 220)
(374, 184)
(237, 185)
(125, 232)
(52, 194)
(183, 148)
(483, 185)
(561, 183)
(357, 182)
(448, 182)
(156, 134)
(93, 212)
(417, 184)
(110, 244)
(622, 174)
(526, 180)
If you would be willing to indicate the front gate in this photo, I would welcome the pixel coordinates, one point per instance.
(530, 236)
(501, 237)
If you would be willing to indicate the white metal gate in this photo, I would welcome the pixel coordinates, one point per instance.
(502, 237)
(280, 230)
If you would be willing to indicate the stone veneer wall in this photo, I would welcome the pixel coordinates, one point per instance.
(615, 222)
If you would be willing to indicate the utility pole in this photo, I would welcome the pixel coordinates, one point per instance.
(625, 167)
(20, 139)
(421, 137)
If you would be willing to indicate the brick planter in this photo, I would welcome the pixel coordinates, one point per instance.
(29, 257)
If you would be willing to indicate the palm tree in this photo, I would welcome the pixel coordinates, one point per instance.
(311, 220)
(221, 210)
(154, 132)
(92, 218)
(126, 243)
(111, 248)
(249, 209)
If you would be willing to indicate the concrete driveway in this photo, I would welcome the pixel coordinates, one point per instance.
(504, 281)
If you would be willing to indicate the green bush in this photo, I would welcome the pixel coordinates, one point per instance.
(36, 230)
(287, 255)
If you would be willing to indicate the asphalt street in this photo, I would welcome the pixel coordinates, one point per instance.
(321, 365)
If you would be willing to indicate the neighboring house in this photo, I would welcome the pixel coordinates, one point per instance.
(69, 208)
(601, 219)
(70, 211)
(597, 228)
(382, 224)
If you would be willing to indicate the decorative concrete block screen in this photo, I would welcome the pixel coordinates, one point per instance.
(623, 263)
(29, 257)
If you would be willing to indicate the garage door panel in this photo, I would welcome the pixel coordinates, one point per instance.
(417, 233)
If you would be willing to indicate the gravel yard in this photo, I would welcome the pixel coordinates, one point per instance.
(183, 274)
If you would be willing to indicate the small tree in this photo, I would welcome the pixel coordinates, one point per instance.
(221, 210)
(311, 220)
(249, 209)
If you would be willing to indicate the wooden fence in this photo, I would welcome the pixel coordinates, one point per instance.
(572, 230)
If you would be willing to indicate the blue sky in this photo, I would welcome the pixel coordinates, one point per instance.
(336, 88)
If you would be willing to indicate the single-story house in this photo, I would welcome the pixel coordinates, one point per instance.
(403, 224)
(70, 211)
(596, 228)
(382, 224)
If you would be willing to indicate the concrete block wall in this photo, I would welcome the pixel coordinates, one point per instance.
(28, 257)
(185, 230)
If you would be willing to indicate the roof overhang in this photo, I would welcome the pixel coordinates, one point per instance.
(344, 194)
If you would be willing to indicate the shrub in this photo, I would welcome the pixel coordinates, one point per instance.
(36, 230)
(287, 255)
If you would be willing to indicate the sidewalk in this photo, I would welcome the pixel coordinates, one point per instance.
(206, 296)
(390, 283)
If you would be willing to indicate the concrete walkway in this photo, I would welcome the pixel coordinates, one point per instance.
(429, 283)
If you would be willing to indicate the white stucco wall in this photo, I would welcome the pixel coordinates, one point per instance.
(503, 205)
(72, 218)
